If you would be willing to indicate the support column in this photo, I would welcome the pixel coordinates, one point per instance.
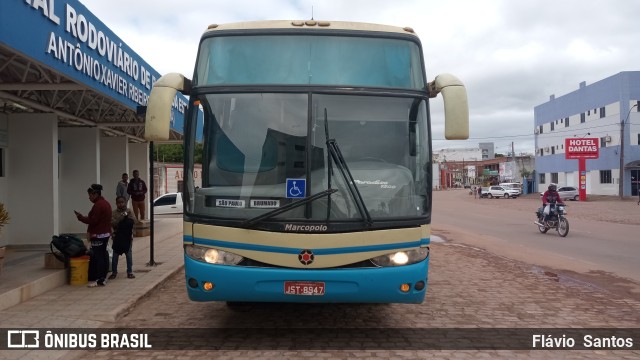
(582, 173)
(32, 174)
(79, 168)
(113, 162)
(4, 182)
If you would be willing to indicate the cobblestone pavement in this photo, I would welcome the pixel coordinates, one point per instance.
(468, 288)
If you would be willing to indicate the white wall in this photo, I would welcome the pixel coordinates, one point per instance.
(435, 171)
(572, 179)
(634, 125)
(594, 186)
(79, 168)
(4, 123)
(170, 174)
(32, 179)
(593, 182)
(114, 161)
(42, 186)
(562, 178)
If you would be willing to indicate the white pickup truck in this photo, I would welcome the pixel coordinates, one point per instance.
(497, 191)
(170, 203)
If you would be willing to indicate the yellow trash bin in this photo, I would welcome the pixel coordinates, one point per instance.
(79, 270)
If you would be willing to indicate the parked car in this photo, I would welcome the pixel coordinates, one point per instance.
(169, 203)
(567, 193)
(497, 191)
(517, 186)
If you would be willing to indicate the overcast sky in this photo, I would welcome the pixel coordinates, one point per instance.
(511, 55)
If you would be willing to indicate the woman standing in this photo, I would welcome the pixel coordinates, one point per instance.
(99, 231)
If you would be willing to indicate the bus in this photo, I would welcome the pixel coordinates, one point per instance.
(315, 144)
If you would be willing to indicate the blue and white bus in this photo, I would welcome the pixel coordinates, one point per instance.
(316, 161)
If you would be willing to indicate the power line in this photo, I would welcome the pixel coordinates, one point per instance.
(489, 138)
(551, 134)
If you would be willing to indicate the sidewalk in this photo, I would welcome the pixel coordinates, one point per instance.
(32, 296)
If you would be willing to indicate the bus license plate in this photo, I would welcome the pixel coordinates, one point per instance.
(310, 288)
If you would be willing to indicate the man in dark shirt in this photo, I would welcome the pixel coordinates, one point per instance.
(138, 190)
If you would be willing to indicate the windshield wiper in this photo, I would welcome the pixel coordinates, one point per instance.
(341, 164)
(329, 166)
(253, 221)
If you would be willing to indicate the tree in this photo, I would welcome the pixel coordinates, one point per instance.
(174, 153)
(197, 157)
(525, 173)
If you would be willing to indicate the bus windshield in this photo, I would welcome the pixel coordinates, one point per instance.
(262, 151)
(309, 60)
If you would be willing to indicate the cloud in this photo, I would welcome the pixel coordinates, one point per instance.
(511, 55)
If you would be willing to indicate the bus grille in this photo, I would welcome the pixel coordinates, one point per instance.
(358, 265)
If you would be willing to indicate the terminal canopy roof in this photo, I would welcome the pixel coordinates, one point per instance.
(57, 57)
(27, 86)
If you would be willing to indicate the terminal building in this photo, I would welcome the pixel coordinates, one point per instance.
(608, 111)
(70, 95)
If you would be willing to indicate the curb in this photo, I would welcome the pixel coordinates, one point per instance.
(32, 289)
(124, 309)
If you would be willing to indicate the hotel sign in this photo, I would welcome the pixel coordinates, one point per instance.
(581, 148)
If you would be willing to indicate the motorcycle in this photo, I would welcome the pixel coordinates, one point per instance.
(556, 219)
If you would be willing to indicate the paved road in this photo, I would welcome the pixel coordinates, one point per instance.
(505, 226)
(468, 288)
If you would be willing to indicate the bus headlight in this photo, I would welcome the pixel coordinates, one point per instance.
(401, 257)
(212, 256)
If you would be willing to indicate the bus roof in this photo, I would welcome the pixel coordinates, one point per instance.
(310, 24)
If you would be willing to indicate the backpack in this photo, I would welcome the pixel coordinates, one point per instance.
(123, 235)
(68, 245)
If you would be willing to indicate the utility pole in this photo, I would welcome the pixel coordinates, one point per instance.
(463, 170)
(621, 176)
(513, 164)
(152, 187)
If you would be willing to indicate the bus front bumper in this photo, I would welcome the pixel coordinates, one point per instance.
(252, 284)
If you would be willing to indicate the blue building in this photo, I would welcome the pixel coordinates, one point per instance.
(608, 110)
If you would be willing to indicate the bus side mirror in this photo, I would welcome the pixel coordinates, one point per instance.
(163, 93)
(456, 106)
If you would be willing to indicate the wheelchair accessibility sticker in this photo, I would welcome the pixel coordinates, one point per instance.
(296, 188)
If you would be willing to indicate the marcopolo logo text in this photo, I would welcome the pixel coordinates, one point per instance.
(306, 228)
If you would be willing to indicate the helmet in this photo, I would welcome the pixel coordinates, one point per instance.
(553, 187)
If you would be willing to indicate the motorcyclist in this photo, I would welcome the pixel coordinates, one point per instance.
(550, 196)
